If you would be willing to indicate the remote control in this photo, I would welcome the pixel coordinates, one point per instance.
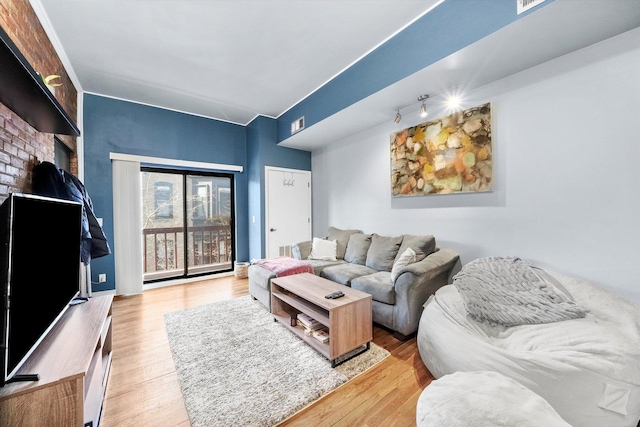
(334, 295)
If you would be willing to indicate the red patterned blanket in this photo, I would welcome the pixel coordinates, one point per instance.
(285, 266)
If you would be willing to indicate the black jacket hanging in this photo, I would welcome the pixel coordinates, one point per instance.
(50, 181)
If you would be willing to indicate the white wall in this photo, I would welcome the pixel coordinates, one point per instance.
(566, 140)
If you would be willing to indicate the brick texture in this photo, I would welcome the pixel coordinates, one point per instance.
(21, 146)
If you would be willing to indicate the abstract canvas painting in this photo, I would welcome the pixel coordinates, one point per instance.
(449, 155)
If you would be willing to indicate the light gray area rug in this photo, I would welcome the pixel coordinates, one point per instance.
(237, 367)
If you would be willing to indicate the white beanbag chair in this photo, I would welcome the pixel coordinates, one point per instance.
(483, 399)
(588, 369)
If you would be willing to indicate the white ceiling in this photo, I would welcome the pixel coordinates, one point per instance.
(225, 59)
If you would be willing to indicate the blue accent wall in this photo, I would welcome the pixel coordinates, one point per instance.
(451, 26)
(123, 127)
(262, 150)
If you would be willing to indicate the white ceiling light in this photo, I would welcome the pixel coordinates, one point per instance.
(453, 102)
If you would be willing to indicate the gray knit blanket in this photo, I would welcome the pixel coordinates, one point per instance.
(509, 292)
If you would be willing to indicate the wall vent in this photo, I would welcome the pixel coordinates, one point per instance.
(285, 250)
(524, 5)
(297, 125)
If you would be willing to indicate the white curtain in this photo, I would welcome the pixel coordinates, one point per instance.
(127, 225)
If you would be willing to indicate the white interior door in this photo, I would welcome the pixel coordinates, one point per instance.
(288, 209)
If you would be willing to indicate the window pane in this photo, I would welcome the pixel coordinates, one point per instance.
(162, 225)
(163, 200)
(209, 231)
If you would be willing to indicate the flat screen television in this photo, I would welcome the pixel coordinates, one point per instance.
(39, 273)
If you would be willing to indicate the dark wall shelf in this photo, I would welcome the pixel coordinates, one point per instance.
(23, 91)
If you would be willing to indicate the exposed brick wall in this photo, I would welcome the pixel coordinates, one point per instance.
(21, 146)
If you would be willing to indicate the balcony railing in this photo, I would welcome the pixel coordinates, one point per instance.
(208, 250)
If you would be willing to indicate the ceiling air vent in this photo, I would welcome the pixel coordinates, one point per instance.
(297, 125)
(524, 5)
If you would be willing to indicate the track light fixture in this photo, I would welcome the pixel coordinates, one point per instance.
(423, 110)
(423, 107)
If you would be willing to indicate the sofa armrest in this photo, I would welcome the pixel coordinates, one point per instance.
(433, 265)
(301, 250)
(416, 282)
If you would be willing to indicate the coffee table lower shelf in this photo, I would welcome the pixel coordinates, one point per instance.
(320, 347)
(349, 319)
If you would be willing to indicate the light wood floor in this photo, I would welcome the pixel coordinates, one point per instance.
(143, 388)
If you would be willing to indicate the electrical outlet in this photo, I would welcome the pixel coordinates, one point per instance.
(102, 278)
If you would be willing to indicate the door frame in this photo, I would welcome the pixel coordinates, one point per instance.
(267, 169)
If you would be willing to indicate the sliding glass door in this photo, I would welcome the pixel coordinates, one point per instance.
(209, 223)
(188, 223)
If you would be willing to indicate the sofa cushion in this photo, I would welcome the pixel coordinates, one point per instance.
(357, 248)
(423, 246)
(346, 272)
(405, 258)
(378, 285)
(382, 252)
(323, 250)
(342, 238)
(318, 265)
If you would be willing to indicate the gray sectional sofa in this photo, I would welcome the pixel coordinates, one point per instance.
(364, 262)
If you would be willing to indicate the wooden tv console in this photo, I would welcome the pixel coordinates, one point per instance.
(73, 363)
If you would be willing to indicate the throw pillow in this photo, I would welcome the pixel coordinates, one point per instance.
(323, 250)
(342, 238)
(357, 248)
(422, 245)
(301, 250)
(382, 252)
(407, 257)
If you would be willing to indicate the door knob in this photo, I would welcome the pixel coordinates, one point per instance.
(273, 229)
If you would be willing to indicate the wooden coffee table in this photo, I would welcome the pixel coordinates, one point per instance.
(348, 318)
